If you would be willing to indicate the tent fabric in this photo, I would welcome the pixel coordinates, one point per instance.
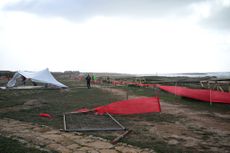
(199, 94)
(13, 81)
(131, 106)
(43, 76)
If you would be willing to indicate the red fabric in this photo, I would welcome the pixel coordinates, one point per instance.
(200, 94)
(131, 106)
(45, 115)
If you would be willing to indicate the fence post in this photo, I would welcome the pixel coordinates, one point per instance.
(210, 95)
(127, 93)
(175, 89)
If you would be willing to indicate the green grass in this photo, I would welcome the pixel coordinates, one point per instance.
(56, 102)
(8, 145)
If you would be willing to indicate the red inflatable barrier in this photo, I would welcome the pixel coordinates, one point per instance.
(131, 106)
(199, 94)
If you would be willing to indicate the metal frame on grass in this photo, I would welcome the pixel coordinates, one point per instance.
(90, 121)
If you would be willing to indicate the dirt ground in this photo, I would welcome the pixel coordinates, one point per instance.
(201, 130)
(49, 139)
(205, 131)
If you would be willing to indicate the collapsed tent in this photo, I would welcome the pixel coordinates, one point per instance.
(43, 76)
(131, 106)
(199, 94)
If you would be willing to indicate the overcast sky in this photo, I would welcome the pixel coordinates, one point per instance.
(124, 36)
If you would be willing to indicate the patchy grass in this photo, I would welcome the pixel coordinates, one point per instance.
(56, 102)
(143, 138)
(8, 145)
(160, 117)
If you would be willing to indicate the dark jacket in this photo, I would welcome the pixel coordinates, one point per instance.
(88, 78)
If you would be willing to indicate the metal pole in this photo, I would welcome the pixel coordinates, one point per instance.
(64, 121)
(210, 96)
(175, 92)
(116, 121)
(120, 137)
(175, 88)
(127, 94)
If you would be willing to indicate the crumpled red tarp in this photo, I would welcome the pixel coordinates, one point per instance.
(199, 94)
(45, 115)
(131, 106)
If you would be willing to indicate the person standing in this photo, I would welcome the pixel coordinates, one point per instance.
(94, 79)
(88, 80)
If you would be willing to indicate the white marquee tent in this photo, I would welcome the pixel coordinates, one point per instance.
(43, 76)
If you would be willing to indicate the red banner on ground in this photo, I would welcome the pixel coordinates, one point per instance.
(45, 115)
(199, 94)
(131, 106)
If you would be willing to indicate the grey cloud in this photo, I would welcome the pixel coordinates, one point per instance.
(219, 20)
(82, 9)
(78, 10)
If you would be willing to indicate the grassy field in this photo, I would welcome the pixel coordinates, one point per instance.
(9, 145)
(56, 102)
